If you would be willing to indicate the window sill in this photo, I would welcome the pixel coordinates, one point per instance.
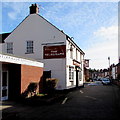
(9, 53)
(71, 81)
(29, 53)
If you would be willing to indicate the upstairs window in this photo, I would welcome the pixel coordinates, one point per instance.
(71, 52)
(76, 54)
(29, 48)
(10, 48)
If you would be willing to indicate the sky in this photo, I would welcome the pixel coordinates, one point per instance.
(93, 25)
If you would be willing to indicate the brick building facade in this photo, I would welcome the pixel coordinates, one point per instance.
(17, 74)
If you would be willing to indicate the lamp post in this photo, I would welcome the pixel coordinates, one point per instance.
(109, 66)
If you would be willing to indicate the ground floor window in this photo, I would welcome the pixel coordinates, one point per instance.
(80, 76)
(71, 73)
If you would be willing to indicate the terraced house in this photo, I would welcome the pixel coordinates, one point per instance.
(37, 38)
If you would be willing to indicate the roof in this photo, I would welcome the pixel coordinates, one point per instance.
(3, 37)
(63, 33)
(68, 38)
(19, 60)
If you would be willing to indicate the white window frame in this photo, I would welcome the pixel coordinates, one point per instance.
(29, 47)
(71, 73)
(76, 54)
(80, 75)
(10, 47)
(71, 51)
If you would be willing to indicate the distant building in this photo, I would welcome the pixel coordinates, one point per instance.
(118, 71)
(114, 72)
(86, 74)
(86, 70)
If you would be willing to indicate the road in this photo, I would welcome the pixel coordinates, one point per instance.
(93, 102)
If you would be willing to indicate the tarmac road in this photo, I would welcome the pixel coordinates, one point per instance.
(93, 102)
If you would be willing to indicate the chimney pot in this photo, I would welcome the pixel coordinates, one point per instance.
(34, 9)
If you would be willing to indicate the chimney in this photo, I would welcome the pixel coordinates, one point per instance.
(34, 9)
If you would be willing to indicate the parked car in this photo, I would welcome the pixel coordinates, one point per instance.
(105, 81)
(99, 79)
(94, 79)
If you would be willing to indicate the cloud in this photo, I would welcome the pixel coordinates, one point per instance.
(15, 9)
(99, 45)
(105, 46)
(107, 32)
(75, 15)
(12, 15)
(81, 20)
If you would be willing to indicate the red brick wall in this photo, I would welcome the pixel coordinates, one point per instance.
(30, 74)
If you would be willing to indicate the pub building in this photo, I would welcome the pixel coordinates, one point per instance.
(40, 40)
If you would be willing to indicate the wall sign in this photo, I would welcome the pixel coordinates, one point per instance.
(51, 52)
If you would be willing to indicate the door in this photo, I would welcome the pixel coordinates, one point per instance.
(77, 78)
(46, 74)
(5, 85)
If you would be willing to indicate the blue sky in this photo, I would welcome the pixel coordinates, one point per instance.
(92, 24)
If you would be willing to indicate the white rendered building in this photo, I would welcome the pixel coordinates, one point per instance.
(37, 38)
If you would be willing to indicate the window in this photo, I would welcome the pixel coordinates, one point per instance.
(81, 57)
(76, 54)
(71, 51)
(80, 75)
(29, 47)
(71, 73)
(10, 48)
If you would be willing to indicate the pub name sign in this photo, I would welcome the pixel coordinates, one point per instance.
(51, 52)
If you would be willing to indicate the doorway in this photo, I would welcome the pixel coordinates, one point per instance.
(46, 74)
(77, 80)
(78, 76)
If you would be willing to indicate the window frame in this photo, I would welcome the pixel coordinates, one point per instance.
(76, 54)
(71, 51)
(80, 76)
(29, 47)
(71, 73)
(10, 47)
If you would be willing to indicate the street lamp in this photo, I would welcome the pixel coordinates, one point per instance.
(109, 66)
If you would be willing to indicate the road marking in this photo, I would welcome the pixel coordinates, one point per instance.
(91, 97)
(81, 91)
(64, 100)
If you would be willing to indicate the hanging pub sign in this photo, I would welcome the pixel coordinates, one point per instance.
(51, 52)
(86, 62)
(76, 63)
